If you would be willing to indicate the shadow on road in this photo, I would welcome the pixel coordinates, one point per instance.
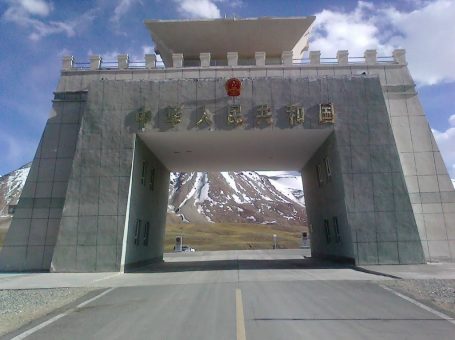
(304, 263)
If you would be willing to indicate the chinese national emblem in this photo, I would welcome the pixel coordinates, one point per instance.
(233, 87)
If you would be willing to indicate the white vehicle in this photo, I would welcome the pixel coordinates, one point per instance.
(187, 249)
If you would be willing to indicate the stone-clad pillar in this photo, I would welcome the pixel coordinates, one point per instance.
(315, 57)
(150, 61)
(205, 59)
(342, 57)
(399, 56)
(177, 60)
(233, 58)
(95, 62)
(67, 63)
(286, 58)
(123, 61)
(260, 58)
(370, 57)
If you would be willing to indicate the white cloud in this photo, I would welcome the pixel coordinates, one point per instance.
(35, 7)
(446, 143)
(25, 12)
(425, 33)
(123, 6)
(198, 9)
(353, 31)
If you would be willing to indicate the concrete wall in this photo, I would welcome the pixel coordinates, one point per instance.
(378, 205)
(31, 238)
(147, 203)
(325, 201)
(90, 232)
(376, 202)
(431, 191)
(92, 226)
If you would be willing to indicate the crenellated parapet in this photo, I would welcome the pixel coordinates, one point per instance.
(260, 59)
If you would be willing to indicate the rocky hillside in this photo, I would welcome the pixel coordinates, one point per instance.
(11, 187)
(273, 198)
(237, 197)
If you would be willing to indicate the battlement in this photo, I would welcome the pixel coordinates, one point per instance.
(260, 59)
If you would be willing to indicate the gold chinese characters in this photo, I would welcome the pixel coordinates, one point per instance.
(326, 113)
(234, 116)
(142, 118)
(296, 115)
(264, 115)
(174, 114)
(205, 119)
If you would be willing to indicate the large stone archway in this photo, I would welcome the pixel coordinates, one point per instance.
(96, 196)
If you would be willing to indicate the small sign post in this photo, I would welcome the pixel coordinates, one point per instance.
(178, 243)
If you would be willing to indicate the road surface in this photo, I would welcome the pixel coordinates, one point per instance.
(232, 298)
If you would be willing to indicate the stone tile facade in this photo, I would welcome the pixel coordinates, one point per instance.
(389, 191)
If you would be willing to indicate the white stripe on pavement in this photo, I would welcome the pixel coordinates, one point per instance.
(240, 319)
(59, 316)
(421, 305)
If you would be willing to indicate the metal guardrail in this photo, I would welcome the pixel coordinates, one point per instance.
(113, 65)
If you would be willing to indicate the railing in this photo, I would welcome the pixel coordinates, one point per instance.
(370, 59)
(81, 66)
(387, 60)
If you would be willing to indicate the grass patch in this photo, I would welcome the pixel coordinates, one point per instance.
(4, 226)
(224, 236)
(2, 237)
(232, 236)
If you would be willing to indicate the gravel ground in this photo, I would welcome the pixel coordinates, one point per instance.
(439, 293)
(19, 307)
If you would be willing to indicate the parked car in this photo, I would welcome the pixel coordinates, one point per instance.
(188, 249)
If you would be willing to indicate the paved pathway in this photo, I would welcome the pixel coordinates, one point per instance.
(235, 296)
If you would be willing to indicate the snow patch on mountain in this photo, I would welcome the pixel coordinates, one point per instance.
(241, 197)
(238, 197)
(230, 181)
(11, 186)
(287, 182)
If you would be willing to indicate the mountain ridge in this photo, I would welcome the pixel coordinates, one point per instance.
(234, 197)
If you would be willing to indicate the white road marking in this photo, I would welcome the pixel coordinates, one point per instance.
(95, 298)
(37, 328)
(59, 316)
(240, 319)
(106, 277)
(421, 305)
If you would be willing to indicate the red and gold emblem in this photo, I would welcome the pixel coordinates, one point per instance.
(233, 87)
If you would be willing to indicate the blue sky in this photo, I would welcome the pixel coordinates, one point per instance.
(35, 34)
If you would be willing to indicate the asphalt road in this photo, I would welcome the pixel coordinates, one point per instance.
(283, 305)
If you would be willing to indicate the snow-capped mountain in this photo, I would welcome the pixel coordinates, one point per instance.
(287, 182)
(242, 197)
(239, 197)
(11, 187)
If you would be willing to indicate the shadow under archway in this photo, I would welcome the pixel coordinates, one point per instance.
(238, 264)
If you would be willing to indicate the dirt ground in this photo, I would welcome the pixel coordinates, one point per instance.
(439, 294)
